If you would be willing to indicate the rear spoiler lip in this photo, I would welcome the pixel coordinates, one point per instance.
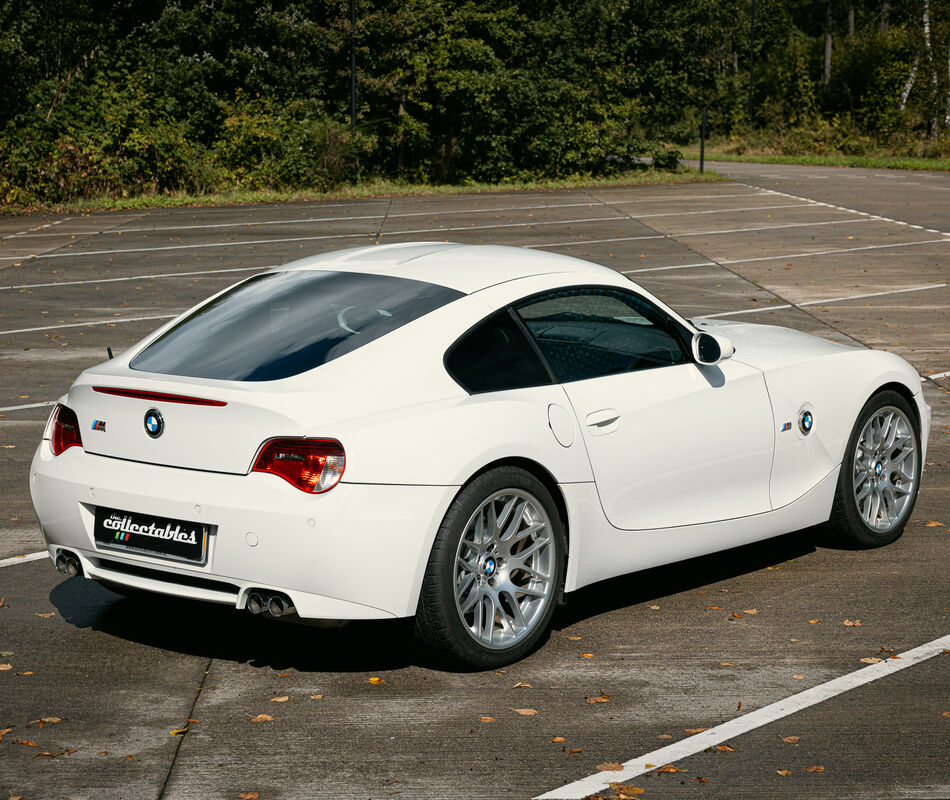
(159, 397)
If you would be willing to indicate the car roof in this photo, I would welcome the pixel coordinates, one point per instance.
(464, 267)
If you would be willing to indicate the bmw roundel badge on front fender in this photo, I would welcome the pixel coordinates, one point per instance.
(154, 423)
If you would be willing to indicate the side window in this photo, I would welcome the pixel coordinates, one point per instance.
(587, 333)
(495, 355)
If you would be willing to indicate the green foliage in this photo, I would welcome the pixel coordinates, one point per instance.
(187, 96)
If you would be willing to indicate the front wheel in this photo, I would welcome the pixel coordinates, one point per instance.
(495, 571)
(880, 474)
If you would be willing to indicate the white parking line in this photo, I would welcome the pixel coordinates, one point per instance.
(305, 220)
(201, 272)
(832, 300)
(939, 376)
(253, 242)
(755, 719)
(9, 562)
(29, 405)
(116, 321)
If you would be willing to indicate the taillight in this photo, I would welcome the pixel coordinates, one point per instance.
(312, 465)
(64, 430)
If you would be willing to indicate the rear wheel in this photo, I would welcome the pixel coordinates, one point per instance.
(880, 474)
(495, 571)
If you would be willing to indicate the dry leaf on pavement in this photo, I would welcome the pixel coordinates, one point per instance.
(610, 766)
(665, 736)
(316, 697)
(574, 638)
(870, 660)
(5, 667)
(574, 751)
(5, 731)
(726, 748)
(694, 730)
(815, 769)
(558, 739)
(783, 772)
(522, 685)
(46, 616)
(262, 718)
(248, 796)
(750, 611)
(655, 608)
(26, 742)
(282, 699)
(525, 712)
(587, 655)
(726, 664)
(852, 623)
(179, 731)
(487, 719)
(625, 790)
(791, 739)
(942, 714)
(714, 608)
(814, 622)
(376, 681)
(670, 768)
(602, 698)
(799, 677)
(932, 523)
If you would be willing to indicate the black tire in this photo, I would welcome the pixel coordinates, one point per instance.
(847, 526)
(440, 621)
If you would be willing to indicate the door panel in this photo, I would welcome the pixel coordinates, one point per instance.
(690, 444)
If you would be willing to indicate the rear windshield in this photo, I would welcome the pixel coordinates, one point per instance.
(280, 324)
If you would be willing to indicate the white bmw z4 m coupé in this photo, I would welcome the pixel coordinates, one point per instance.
(461, 434)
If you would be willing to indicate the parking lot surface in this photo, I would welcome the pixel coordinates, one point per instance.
(114, 697)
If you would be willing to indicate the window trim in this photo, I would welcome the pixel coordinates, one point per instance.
(509, 310)
(675, 329)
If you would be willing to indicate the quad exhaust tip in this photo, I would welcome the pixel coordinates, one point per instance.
(68, 564)
(277, 604)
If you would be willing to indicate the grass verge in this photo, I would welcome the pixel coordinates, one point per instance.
(369, 189)
(872, 162)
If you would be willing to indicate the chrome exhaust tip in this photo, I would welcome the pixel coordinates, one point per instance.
(60, 563)
(280, 605)
(255, 603)
(73, 567)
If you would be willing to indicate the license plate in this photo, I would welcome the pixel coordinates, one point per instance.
(159, 537)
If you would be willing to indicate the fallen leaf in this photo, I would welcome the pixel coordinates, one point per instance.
(525, 712)
(262, 718)
(49, 721)
(736, 615)
(5, 731)
(726, 664)
(799, 677)
(694, 730)
(670, 768)
(665, 736)
(522, 685)
(248, 796)
(702, 780)
(25, 742)
(286, 675)
(725, 748)
(192, 721)
(6, 653)
(625, 790)
(128, 758)
(886, 650)
(28, 672)
(932, 523)
(750, 611)
(376, 681)
(814, 622)
(655, 608)
(46, 616)
(773, 568)
(587, 655)
(739, 706)
(942, 714)
(870, 660)
(815, 769)
(574, 638)
(610, 766)
(602, 698)
(179, 731)
(282, 699)
(487, 719)
(714, 608)
(783, 772)
(574, 751)
(558, 739)
(316, 697)
(852, 623)
(103, 752)
(791, 739)
(5, 667)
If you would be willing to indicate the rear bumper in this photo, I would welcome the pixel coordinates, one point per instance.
(356, 552)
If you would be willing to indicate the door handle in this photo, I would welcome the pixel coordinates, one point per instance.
(604, 421)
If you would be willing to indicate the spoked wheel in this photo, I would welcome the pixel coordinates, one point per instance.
(495, 570)
(880, 478)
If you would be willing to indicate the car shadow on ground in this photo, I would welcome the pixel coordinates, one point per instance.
(222, 632)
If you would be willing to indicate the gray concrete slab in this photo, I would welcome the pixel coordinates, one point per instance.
(122, 674)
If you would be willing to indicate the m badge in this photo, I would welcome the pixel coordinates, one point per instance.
(99, 425)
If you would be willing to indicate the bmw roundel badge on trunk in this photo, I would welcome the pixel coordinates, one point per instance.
(154, 424)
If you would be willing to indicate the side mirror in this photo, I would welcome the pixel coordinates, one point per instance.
(709, 349)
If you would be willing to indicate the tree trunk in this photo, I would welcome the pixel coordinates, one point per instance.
(885, 14)
(946, 116)
(933, 119)
(827, 78)
(850, 18)
(905, 92)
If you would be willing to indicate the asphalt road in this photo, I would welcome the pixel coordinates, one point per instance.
(832, 252)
